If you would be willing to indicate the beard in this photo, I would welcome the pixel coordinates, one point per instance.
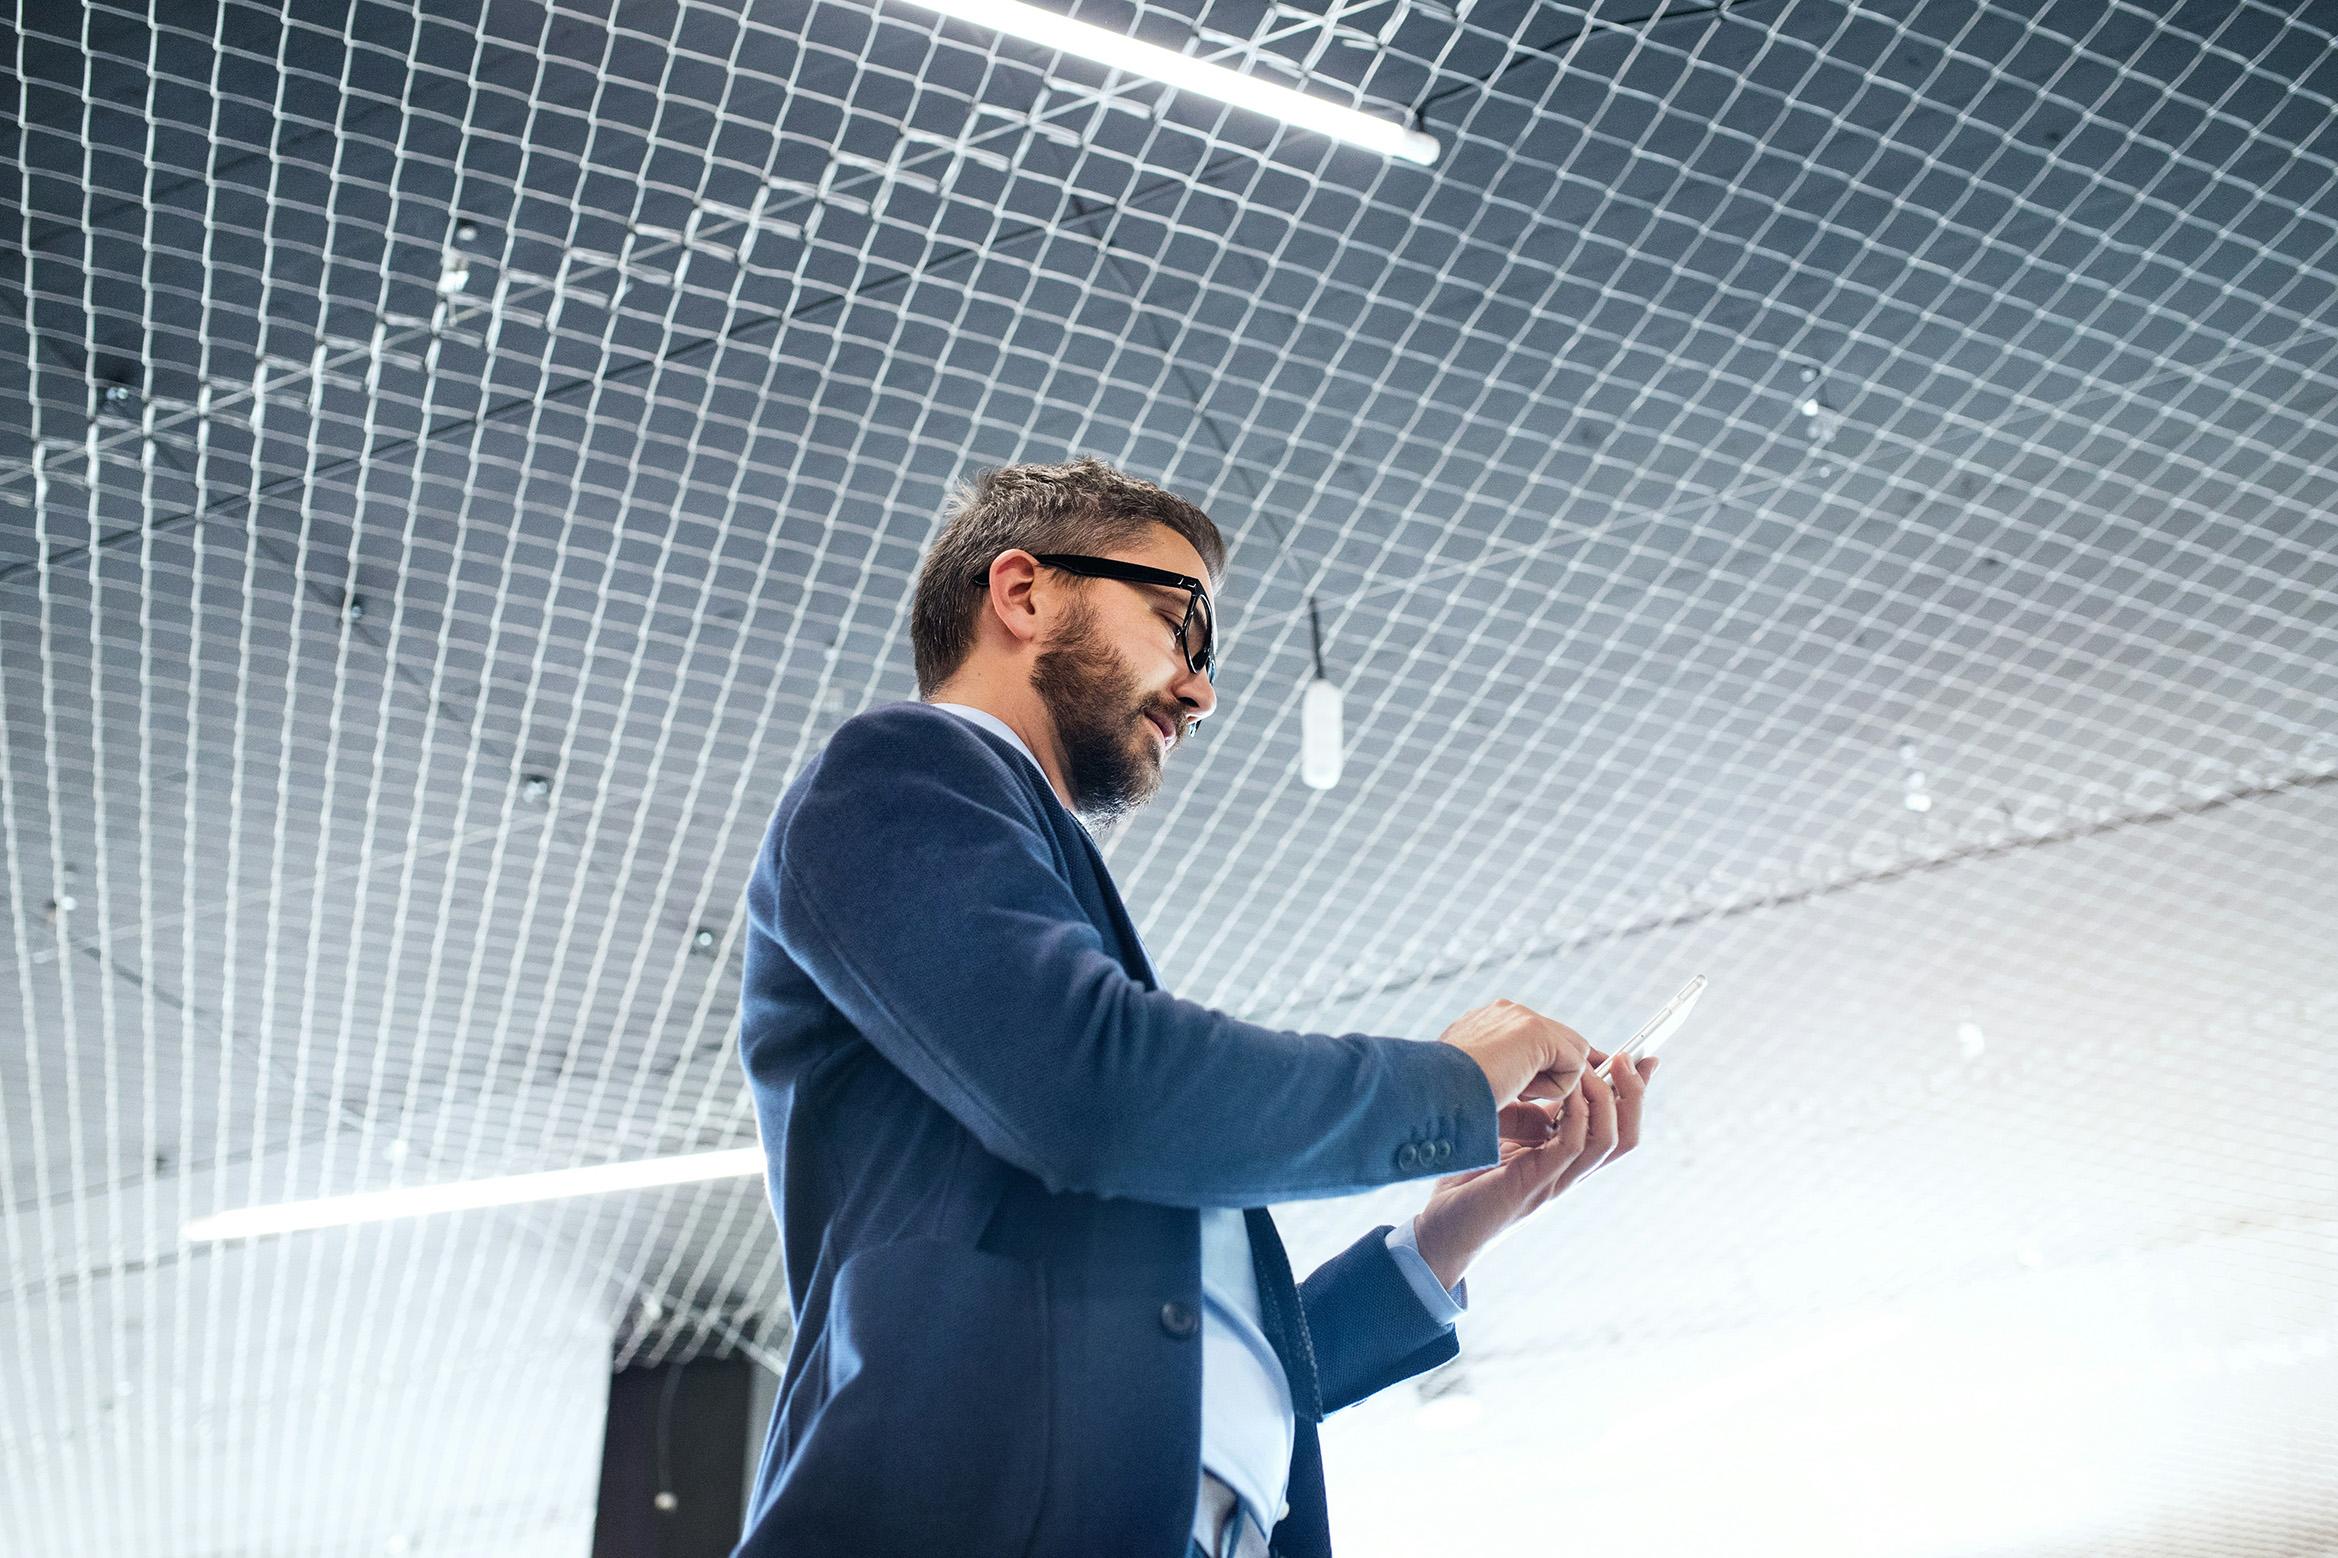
(1112, 755)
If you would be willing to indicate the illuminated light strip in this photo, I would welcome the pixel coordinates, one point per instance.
(1230, 87)
(374, 1206)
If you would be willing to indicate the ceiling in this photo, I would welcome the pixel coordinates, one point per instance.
(458, 461)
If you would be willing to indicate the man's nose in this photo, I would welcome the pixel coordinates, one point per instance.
(1194, 691)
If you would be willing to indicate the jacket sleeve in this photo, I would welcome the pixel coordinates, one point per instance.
(1366, 1324)
(916, 888)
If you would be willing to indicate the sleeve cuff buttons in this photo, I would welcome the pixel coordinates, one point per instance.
(1419, 1155)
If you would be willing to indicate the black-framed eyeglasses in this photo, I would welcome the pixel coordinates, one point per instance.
(1197, 636)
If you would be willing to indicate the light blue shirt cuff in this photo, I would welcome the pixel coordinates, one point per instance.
(1443, 1307)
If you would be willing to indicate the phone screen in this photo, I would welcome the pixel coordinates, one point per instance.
(1658, 1028)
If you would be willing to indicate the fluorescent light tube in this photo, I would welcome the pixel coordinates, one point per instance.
(1231, 87)
(375, 1206)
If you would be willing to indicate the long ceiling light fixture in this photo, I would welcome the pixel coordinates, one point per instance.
(1230, 87)
(374, 1206)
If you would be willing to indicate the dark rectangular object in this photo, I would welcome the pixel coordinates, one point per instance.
(676, 1430)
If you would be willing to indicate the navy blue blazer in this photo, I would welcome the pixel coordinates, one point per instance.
(988, 1129)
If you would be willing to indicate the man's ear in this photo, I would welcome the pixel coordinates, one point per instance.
(1014, 584)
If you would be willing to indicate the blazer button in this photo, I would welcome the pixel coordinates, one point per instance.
(1408, 1156)
(1178, 1319)
(1444, 1150)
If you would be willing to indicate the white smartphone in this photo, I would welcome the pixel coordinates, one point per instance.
(1658, 1028)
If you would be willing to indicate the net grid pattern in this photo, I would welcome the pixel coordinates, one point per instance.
(463, 460)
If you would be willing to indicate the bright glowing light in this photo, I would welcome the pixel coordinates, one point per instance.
(1230, 87)
(1449, 1413)
(1658, 1422)
(375, 1206)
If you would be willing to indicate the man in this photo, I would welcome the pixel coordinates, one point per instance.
(1039, 1308)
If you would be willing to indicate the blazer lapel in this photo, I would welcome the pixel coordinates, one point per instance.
(1133, 947)
(1284, 1315)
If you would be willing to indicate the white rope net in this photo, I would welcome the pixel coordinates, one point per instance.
(1838, 497)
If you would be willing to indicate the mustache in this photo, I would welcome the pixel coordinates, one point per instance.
(1180, 723)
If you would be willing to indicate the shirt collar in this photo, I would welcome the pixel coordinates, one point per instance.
(991, 722)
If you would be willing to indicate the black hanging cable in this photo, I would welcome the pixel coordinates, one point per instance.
(663, 1428)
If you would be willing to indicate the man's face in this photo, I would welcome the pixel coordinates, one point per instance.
(1114, 679)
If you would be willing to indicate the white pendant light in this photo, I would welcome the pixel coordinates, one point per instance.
(1320, 720)
(1121, 52)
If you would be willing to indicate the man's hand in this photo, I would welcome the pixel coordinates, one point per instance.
(1546, 1147)
(1522, 1052)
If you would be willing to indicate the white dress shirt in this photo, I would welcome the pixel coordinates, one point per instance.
(1247, 1422)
